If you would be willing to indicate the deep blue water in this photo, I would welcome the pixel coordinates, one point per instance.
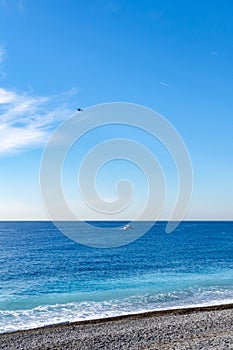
(47, 278)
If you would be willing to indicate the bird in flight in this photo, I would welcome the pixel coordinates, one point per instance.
(79, 109)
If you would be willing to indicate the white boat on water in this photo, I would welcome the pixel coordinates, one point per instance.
(126, 227)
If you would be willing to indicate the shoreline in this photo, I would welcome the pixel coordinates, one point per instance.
(180, 327)
(154, 313)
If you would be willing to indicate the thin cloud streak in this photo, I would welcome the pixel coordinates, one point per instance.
(2, 54)
(167, 85)
(2, 57)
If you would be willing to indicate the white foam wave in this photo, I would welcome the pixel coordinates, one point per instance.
(12, 320)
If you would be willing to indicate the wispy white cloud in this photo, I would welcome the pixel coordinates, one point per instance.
(27, 120)
(2, 54)
(213, 53)
(165, 84)
(2, 57)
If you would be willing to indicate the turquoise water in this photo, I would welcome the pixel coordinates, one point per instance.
(47, 278)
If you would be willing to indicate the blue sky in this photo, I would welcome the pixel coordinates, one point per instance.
(172, 56)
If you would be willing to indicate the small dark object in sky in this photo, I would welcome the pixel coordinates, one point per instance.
(79, 109)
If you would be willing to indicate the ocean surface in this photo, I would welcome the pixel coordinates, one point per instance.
(46, 278)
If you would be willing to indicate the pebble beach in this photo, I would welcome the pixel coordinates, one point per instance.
(193, 328)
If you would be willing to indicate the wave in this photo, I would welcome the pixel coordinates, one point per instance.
(12, 320)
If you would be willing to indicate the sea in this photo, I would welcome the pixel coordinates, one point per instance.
(46, 278)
